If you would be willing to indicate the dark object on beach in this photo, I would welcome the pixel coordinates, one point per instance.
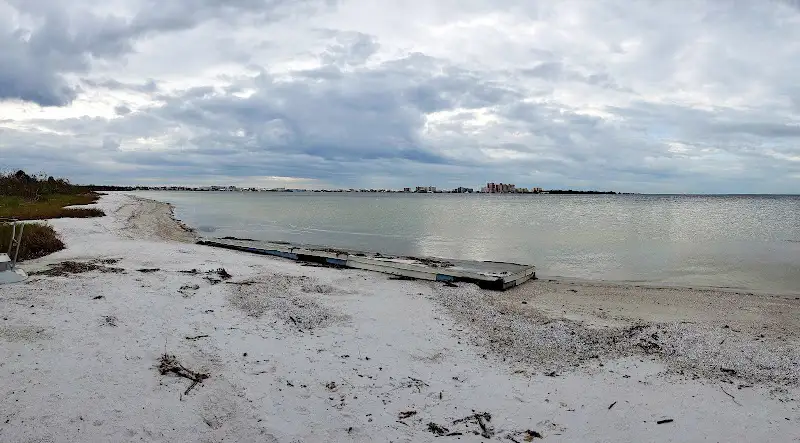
(237, 238)
(72, 267)
(611, 405)
(437, 429)
(108, 261)
(148, 270)
(220, 272)
(666, 420)
(728, 371)
(405, 414)
(196, 337)
(186, 290)
(97, 297)
(450, 284)
(729, 395)
(573, 290)
(168, 364)
(331, 385)
(400, 277)
(240, 283)
(551, 374)
(191, 271)
(481, 419)
(223, 274)
(415, 383)
(530, 435)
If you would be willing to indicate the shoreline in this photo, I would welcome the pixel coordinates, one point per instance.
(298, 353)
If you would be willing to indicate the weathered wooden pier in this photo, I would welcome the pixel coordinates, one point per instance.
(486, 274)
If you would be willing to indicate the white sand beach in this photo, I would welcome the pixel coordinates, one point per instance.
(297, 353)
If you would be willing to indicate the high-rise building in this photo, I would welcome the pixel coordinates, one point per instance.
(500, 188)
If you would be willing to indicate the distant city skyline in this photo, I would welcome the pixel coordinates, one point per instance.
(508, 189)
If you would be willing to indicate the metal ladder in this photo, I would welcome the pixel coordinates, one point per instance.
(16, 239)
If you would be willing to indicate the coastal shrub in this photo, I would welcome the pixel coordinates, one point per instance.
(33, 187)
(39, 197)
(38, 240)
(51, 206)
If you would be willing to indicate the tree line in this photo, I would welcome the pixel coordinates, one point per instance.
(33, 187)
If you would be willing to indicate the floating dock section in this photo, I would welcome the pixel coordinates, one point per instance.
(488, 275)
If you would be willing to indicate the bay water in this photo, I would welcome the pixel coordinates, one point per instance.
(733, 241)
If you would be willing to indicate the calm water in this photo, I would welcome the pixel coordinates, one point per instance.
(749, 242)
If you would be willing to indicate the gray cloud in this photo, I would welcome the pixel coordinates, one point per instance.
(647, 96)
(122, 110)
(146, 87)
(34, 61)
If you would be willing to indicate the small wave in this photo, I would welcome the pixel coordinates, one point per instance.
(793, 241)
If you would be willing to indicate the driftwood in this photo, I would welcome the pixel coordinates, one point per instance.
(197, 337)
(405, 414)
(168, 364)
(481, 418)
(729, 395)
(437, 429)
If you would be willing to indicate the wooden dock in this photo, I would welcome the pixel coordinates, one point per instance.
(488, 275)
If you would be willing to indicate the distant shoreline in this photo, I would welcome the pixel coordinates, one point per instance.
(395, 192)
(342, 191)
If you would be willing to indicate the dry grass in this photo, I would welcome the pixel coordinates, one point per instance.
(38, 240)
(72, 267)
(49, 206)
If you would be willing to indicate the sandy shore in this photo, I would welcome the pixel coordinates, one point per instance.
(296, 353)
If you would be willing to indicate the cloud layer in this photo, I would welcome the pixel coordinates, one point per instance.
(647, 96)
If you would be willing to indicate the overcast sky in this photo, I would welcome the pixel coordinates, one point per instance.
(627, 95)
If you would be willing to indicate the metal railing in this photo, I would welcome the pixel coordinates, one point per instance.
(16, 238)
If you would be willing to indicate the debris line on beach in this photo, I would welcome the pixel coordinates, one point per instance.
(73, 267)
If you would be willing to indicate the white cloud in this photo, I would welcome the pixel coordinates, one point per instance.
(652, 96)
